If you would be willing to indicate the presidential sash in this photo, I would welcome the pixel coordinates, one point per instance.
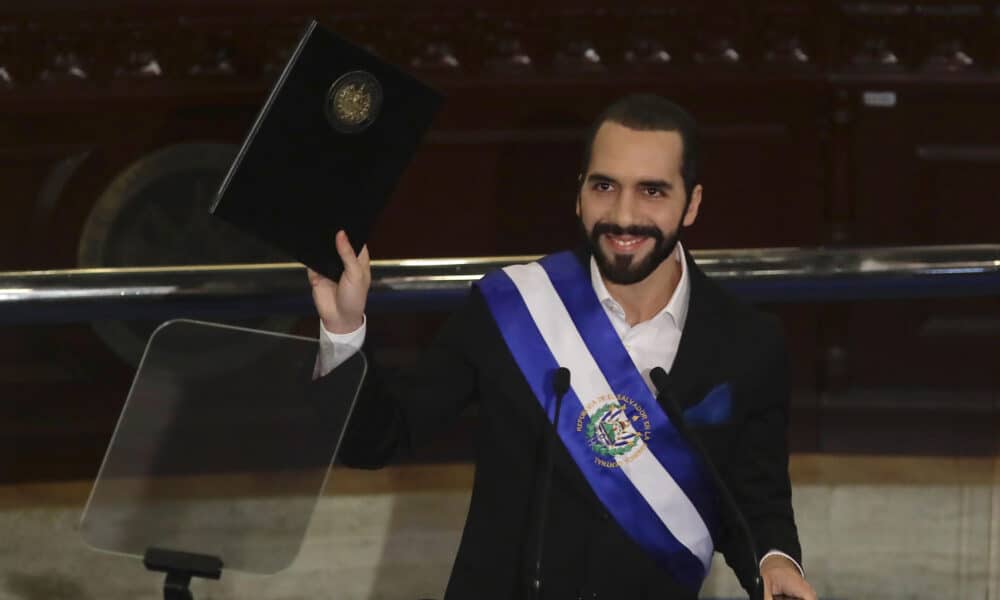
(641, 469)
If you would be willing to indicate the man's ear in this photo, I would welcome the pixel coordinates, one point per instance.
(691, 214)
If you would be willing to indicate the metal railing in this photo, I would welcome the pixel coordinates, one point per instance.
(238, 291)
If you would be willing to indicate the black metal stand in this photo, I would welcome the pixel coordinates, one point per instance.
(180, 567)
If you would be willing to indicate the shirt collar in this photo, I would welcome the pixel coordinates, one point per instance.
(676, 309)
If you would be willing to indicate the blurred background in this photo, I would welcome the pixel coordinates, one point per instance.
(826, 125)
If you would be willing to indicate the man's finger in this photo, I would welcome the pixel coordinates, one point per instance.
(346, 253)
(317, 279)
(364, 259)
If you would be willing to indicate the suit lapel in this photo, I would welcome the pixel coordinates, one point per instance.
(698, 355)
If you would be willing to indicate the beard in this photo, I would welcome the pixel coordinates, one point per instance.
(625, 269)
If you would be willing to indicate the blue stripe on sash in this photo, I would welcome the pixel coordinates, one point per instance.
(611, 486)
(575, 288)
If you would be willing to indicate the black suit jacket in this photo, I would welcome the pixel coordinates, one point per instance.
(587, 554)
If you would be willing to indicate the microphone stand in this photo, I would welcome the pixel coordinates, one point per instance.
(660, 379)
(560, 385)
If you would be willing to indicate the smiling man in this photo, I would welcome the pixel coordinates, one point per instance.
(632, 510)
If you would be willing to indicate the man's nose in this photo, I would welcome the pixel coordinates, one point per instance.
(624, 209)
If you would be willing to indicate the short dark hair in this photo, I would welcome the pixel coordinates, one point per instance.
(649, 112)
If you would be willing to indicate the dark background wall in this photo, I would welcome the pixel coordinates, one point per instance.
(825, 123)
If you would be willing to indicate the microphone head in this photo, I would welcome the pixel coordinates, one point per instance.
(660, 379)
(560, 381)
(662, 383)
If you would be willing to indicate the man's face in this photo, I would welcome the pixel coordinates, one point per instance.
(632, 200)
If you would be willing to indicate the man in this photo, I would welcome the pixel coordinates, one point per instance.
(632, 512)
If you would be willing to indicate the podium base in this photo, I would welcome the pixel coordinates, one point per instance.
(180, 567)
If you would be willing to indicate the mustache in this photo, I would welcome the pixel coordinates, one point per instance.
(636, 230)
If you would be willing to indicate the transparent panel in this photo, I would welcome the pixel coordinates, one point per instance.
(222, 448)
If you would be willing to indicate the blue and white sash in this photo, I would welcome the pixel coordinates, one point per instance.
(636, 462)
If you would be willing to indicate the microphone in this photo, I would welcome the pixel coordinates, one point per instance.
(560, 385)
(662, 383)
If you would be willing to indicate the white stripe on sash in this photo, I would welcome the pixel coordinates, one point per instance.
(653, 482)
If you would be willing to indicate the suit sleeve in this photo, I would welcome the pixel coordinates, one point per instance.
(758, 470)
(397, 413)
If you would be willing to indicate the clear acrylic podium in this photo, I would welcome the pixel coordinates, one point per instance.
(221, 452)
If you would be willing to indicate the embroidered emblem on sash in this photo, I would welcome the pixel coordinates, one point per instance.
(615, 428)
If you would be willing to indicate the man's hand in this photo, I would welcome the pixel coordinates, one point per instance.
(782, 578)
(341, 305)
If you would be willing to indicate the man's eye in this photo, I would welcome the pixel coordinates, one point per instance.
(602, 186)
(653, 191)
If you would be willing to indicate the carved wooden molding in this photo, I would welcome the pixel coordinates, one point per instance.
(447, 40)
(95, 46)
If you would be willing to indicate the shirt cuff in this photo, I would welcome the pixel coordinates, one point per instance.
(780, 553)
(335, 348)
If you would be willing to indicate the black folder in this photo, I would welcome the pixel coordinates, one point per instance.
(326, 151)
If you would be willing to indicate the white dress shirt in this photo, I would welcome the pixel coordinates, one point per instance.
(651, 343)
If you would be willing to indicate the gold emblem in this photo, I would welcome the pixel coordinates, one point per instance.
(615, 428)
(353, 102)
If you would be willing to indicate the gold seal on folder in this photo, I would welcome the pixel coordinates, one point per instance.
(353, 101)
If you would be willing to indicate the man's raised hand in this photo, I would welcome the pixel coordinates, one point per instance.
(341, 305)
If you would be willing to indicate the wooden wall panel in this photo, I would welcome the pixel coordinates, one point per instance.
(925, 169)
